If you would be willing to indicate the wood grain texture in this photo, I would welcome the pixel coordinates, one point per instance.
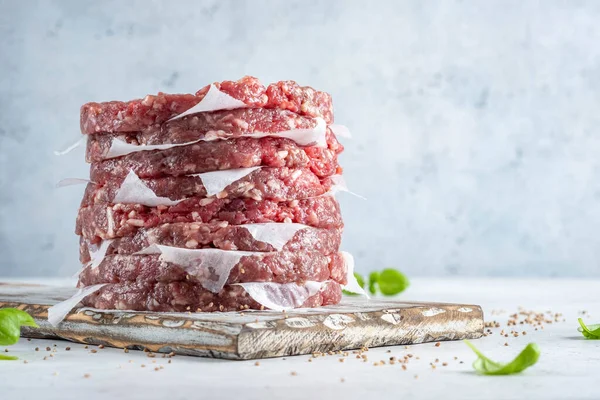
(354, 323)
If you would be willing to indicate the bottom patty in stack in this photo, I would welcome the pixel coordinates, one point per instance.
(182, 296)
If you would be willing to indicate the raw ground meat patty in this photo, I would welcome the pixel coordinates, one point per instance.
(185, 296)
(278, 267)
(214, 235)
(219, 155)
(227, 124)
(152, 111)
(277, 184)
(110, 221)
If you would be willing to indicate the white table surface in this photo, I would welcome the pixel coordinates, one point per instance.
(568, 367)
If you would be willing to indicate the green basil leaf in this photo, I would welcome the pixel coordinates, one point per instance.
(392, 282)
(528, 357)
(373, 280)
(591, 331)
(5, 357)
(361, 282)
(11, 321)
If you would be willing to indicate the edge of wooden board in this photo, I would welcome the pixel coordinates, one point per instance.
(252, 335)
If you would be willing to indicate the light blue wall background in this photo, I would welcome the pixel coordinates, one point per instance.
(476, 123)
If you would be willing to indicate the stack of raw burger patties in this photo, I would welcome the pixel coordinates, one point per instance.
(171, 243)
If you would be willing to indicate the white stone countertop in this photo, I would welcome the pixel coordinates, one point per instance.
(568, 366)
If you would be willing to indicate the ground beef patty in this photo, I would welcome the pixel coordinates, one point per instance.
(184, 296)
(111, 221)
(152, 111)
(227, 124)
(213, 235)
(278, 267)
(277, 184)
(219, 155)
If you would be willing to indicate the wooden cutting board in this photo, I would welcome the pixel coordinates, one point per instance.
(354, 323)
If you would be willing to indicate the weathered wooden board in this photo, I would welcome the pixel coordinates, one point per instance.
(355, 323)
